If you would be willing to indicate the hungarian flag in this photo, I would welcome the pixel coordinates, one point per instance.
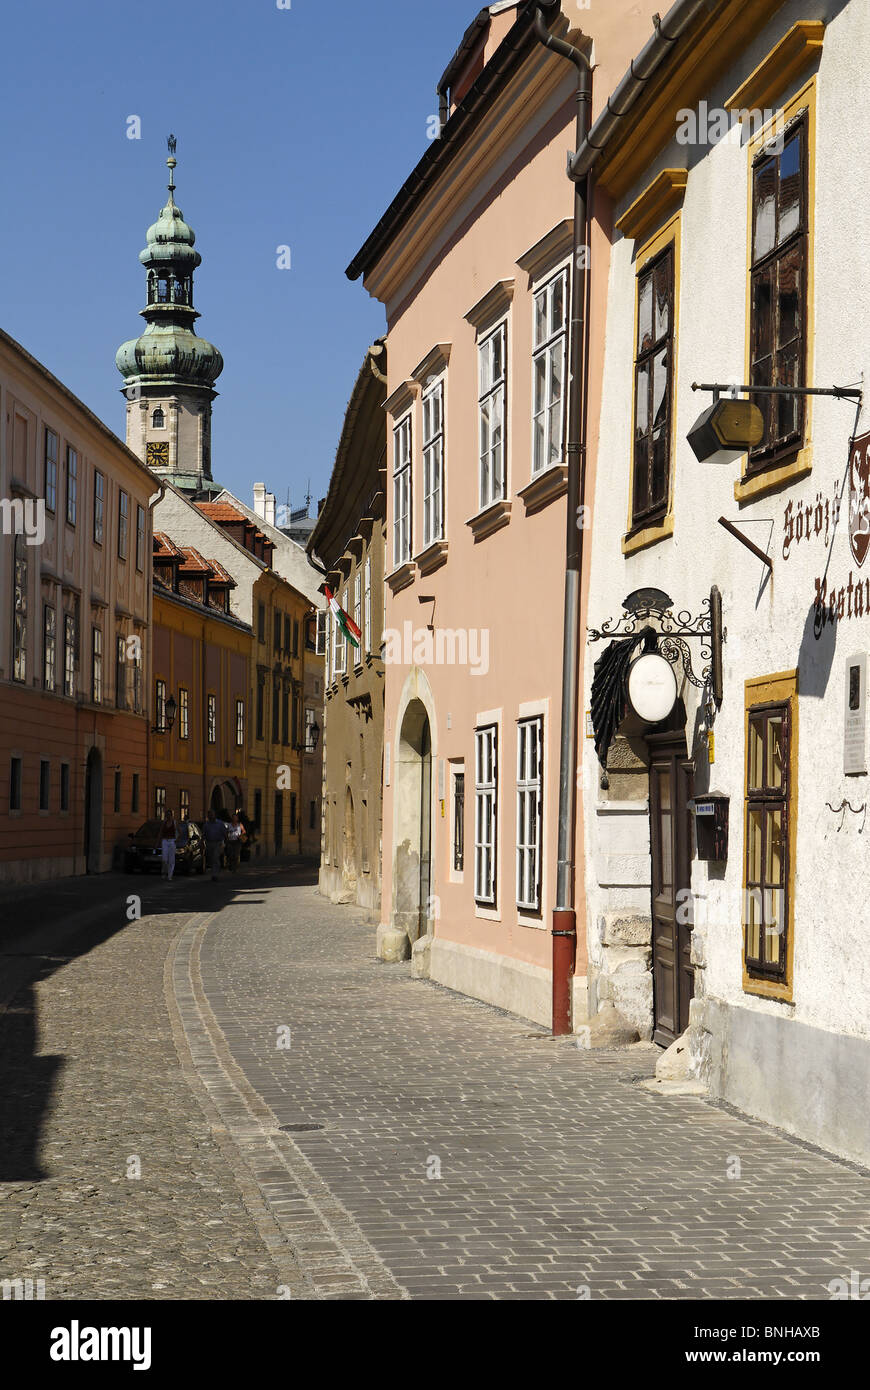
(344, 620)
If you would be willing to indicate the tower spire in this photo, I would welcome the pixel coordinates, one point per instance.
(169, 372)
(171, 164)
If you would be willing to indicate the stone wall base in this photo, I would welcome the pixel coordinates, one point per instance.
(812, 1083)
(513, 985)
(365, 894)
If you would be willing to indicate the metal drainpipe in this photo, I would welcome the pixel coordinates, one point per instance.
(564, 928)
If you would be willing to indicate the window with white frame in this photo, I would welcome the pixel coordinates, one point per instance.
(339, 647)
(160, 705)
(433, 463)
(402, 492)
(367, 591)
(240, 723)
(549, 369)
(320, 640)
(485, 813)
(492, 357)
(70, 639)
(357, 609)
(97, 665)
(530, 744)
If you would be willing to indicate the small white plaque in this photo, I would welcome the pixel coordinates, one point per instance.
(855, 738)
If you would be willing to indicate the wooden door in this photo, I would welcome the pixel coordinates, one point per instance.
(671, 780)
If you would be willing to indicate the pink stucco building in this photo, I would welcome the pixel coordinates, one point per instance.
(473, 262)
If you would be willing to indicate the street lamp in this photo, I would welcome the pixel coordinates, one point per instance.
(313, 732)
(169, 712)
(733, 424)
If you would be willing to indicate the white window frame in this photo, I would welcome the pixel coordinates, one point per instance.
(492, 389)
(160, 705)
(183, 712)
(367, 597)
(339, 645)
(240, 723)
(357, 613)
(321, 638)
(403, 443)
(486, 815)
(433, 461)
(530, 812)
(549, 347)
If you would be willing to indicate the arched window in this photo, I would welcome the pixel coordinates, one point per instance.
(152, 286)
(163, 290)
(157, 419)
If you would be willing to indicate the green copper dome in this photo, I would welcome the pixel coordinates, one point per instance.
(169, 351)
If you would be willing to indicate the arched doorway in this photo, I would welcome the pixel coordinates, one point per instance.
(413, 802)
(93, 846)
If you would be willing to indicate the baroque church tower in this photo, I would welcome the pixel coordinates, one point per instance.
(169, 373)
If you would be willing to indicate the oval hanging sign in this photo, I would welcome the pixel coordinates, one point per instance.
(652, 687)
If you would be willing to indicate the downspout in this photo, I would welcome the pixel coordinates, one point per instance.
(667, 32)
(564, 921)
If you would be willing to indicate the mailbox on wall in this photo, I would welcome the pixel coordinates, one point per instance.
(711, 826)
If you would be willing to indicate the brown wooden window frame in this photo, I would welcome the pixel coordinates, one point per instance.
(771, 451)
(652, 511)
(767, 799)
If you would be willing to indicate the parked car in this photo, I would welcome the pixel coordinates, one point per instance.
(143, 852)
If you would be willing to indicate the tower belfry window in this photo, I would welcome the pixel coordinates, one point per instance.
(158, 419)
(163, 290)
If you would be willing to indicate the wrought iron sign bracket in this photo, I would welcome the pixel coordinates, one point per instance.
(672, 631)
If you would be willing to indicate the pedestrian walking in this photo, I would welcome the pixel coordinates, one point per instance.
(215, 833)
(235, 836)
(168, 836)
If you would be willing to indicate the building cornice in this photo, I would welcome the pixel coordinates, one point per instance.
(537, 91)
(659, 198)
(711, 46)
(794, 52)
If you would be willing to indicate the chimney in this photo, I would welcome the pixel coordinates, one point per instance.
(260, 499)
(269, 513)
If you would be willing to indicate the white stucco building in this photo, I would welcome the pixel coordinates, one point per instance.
(735, 260)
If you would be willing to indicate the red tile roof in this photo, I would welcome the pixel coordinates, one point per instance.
(193, 562)
(222, 511)
(164, 548)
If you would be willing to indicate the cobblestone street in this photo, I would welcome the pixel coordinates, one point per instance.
(308, 1123)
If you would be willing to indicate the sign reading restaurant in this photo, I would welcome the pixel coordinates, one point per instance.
(803, 521)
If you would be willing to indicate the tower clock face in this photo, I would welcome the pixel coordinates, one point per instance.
(157, 455)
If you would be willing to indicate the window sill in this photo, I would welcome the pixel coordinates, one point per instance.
(489, 914)
(768, 989)
(491, 519)
(432, 557)
(402, 576)
(545, 487)
(648, 535)
(765, 480)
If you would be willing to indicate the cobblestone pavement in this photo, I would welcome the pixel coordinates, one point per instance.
(459, 1153)
(90, 1082)
(560, 1176)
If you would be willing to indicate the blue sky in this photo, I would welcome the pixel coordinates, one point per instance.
(295, 127)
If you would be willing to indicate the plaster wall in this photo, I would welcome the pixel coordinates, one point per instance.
(772, 621)
(506, 588)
